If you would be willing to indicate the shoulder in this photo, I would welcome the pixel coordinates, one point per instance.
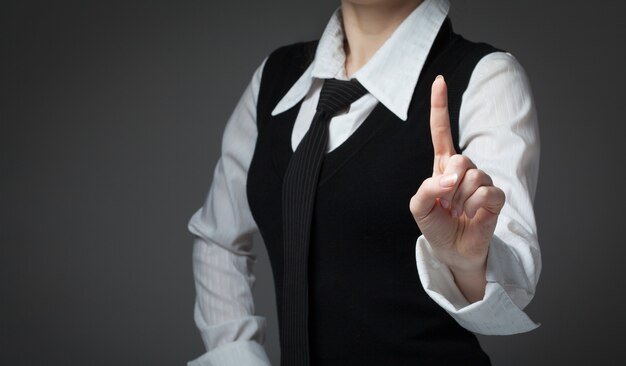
(280, 69)
(499, 65)
(499, 98)
(298, 54)
(500, 77)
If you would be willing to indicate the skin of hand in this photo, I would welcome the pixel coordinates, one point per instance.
(457, 208)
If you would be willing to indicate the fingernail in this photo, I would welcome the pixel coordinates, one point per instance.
(448, 180)
(455, 213)
(444, 202)
(439, 77)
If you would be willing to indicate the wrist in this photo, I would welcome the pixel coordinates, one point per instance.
(462, 265)
(472, 283)
(473, 267)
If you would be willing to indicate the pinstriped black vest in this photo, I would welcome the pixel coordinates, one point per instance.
(366, 303)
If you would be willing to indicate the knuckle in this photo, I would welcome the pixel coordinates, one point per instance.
(483, 193)
(423, 189)
(464, 158)
(456, 159)
(474, 176)
(461, 162)
(484, 176)
(501, 195)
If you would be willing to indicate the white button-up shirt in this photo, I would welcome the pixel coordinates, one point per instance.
(497, 131)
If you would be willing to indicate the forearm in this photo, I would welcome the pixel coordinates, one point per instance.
(469, 274)
(224, 308)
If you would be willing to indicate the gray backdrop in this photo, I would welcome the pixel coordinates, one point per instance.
(111, 120)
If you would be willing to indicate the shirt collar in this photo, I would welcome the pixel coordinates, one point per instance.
(391, 73)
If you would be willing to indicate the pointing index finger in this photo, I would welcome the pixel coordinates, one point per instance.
(440, 124)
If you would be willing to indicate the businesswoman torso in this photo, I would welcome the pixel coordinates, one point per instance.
(423, 229)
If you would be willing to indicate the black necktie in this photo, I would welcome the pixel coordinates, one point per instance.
(299, 187)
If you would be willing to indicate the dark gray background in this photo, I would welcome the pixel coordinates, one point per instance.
(111, 120)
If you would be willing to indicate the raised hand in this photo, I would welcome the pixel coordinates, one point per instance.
(457, 208)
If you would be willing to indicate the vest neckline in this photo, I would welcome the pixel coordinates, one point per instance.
(379, 118)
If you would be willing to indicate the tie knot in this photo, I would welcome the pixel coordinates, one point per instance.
(339, 94)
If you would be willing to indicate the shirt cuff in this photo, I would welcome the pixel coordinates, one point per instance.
(238, 353)
(495, 314)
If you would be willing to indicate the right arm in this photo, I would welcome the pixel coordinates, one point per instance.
(222, 260)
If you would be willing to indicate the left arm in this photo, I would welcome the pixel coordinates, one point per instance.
(479, 256)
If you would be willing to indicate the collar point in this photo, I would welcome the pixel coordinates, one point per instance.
(402, 116)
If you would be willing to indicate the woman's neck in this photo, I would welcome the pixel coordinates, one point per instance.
(368, 24)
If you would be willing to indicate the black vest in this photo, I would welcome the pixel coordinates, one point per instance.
(366, 303)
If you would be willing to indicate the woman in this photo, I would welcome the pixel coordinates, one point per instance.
(422, 231)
